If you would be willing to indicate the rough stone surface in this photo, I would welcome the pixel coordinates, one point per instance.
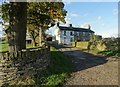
(27, 62)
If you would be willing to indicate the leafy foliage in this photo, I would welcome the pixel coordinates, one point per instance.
(111, 53)
(5, 12)
(41, 15)
(44, 14)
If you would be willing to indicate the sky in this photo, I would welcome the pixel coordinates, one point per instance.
(102, 16)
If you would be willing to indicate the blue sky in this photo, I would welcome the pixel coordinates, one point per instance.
(102, 16)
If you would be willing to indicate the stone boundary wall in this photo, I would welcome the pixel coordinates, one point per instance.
(100, 45)
(26, 62)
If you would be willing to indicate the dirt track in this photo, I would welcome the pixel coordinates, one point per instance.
(89, 69)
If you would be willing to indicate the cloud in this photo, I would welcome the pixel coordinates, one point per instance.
(114, 35)
(1, 28)
(99, 18)
(115, 11)
(85, 25)
(67, 2)
(107, 35)
(74, 15)
(67, 20)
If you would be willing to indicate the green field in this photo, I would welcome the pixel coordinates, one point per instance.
(4, 46)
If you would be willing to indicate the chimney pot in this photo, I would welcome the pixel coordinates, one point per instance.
(58, 24)
(70, 25)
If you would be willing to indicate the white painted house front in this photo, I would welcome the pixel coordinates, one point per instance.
(67, 35)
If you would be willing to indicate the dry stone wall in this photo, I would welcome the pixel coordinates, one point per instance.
(25, 62)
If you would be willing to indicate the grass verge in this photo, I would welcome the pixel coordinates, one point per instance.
(111, 53)
(105, 53)
(4, 46)
(59, 70)
(92, 50)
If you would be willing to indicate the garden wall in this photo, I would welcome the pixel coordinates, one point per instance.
(23, 63)
(82, 44)
(100, 45)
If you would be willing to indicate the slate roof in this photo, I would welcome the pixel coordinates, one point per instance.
(75, 29)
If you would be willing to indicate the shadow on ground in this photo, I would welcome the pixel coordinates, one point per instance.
(82, 60)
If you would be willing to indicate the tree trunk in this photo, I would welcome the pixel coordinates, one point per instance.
(33, 36)
(41, 35)
(22, 26)
(10, 31)
(17, 29)
(34, 42)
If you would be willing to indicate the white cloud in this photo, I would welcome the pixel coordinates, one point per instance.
(108, 34)
(74, 15)
(67, 20)
(99, 18)
(67, 3)
(115, 11)
(105, 35)
(85, 25)
(114, 35)
(1, 28)
(64, 24)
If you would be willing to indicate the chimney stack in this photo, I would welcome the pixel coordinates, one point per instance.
(58, 24)
(89, 27)
(70, 25)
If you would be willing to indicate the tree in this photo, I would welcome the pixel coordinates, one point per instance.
(16, 32)
(93, 42)
(43, 14)
(75, 39)
(39, 14)
(33, 32)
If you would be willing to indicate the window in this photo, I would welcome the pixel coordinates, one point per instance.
(71, 33)
(64, 33)
(83, 33)
(89, 34)
(64, 38)
(77, 33)
(80, 34)
(71, 39)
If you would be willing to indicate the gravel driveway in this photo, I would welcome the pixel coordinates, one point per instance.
(90, 69)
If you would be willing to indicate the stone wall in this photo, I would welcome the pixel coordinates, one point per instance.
(100, 45)
(81, 45)
(26, 62)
